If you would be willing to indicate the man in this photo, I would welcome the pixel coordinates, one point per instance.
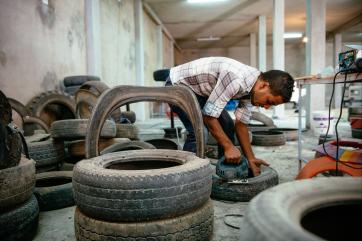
(215, 81)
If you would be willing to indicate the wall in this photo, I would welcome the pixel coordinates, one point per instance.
(39, 45)
(117, 28)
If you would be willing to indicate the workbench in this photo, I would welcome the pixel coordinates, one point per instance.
(311, 80)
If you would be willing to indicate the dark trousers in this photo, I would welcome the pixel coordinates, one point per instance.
(224, 119)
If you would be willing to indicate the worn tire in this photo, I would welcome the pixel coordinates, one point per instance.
(54, 190)
(276, 214)
(10, 146)
(46, 153)
(144, 194)
(268, 138)
(262, 118)
(17, 184)
(130, 115)
(77, 128)
(18, 107)
(291, 134)
(357, 133)
(127, 146)
(20, 224)
(52, 105)
(164, 144)
(77, 148)
(127, 131)
(161, 74)
(221, 190)
(79, 80)
(195, 226)
(72, 89)
(36, 121)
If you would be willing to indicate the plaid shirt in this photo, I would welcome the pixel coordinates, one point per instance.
(221, 79)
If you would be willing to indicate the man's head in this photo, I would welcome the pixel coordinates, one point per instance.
(273, 87)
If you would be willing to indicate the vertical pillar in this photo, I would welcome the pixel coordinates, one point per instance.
(92, 19)
(262, 43)
(315, 54)
(278, 46)
(139, 56)
(159, 47)
(253, 49)
(172, 54)
(337, 50)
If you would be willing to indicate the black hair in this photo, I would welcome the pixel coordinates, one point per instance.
(281, 83)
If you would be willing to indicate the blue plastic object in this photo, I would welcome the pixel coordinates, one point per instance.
(231, 105)
(232, 171)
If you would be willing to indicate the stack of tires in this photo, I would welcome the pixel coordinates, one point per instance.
(19, 210)
(143, 195)
(73, 83)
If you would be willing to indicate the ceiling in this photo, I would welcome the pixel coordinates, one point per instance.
(234, 20)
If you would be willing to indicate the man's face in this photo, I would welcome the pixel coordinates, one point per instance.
(262, 96)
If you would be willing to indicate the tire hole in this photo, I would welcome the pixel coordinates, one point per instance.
(142, 165)
(50, 182)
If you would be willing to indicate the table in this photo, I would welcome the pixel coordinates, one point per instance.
(315, 79)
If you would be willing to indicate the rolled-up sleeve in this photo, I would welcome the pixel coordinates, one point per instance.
(243, 112)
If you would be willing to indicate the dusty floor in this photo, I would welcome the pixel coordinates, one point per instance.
(58, 225)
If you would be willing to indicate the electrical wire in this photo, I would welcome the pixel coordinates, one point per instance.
(339, 117)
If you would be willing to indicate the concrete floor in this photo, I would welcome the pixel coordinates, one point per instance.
(58, 225)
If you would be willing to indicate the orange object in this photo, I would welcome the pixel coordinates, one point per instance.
(356, 122)
(324, 164)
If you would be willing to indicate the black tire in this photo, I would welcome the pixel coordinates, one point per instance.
(127, 131)
(10, 146)
(72, 89)
(357, 133)
(76, 129)
(52, 105)
(54, 190)
(127, 146)
(268, 138)
(130, 115)
(141, 191)
(46, 153)
(95, 87)
(291, 134)
(222, 190)
(164, 144)
(79, 80)
(18, 107)
(194, 226)
(50, 168)
(21, 223)
(277, 214)
(38, 122)
(161, 75)
(17, 184)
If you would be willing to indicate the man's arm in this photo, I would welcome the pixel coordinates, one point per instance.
(243, 136)
(231, 153)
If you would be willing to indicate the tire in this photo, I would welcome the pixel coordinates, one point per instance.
(291, 134)
(79, 80)
(195, 226)
(85, 100)
(164, 144)
(130, 115)
(18, 107)
(145, 194)
(127, 146)
(77, 148)
(37, 121)
(357, 133)
(20, 224)
(262, 118)
(54, 190)
(72, 89)
(268, 138)
(77, 128)
(17, 184)
(116, 97)
(52, 105)
(277, 214)
(46, 153)
(127, 131)
(10, 146)
(221, 190)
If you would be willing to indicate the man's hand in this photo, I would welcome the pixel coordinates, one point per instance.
(255, 165)
(232, 155)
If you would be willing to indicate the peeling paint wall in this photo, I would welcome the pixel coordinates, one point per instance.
(150, 48)
(40, 45)
(167, 55)
(117, 42)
